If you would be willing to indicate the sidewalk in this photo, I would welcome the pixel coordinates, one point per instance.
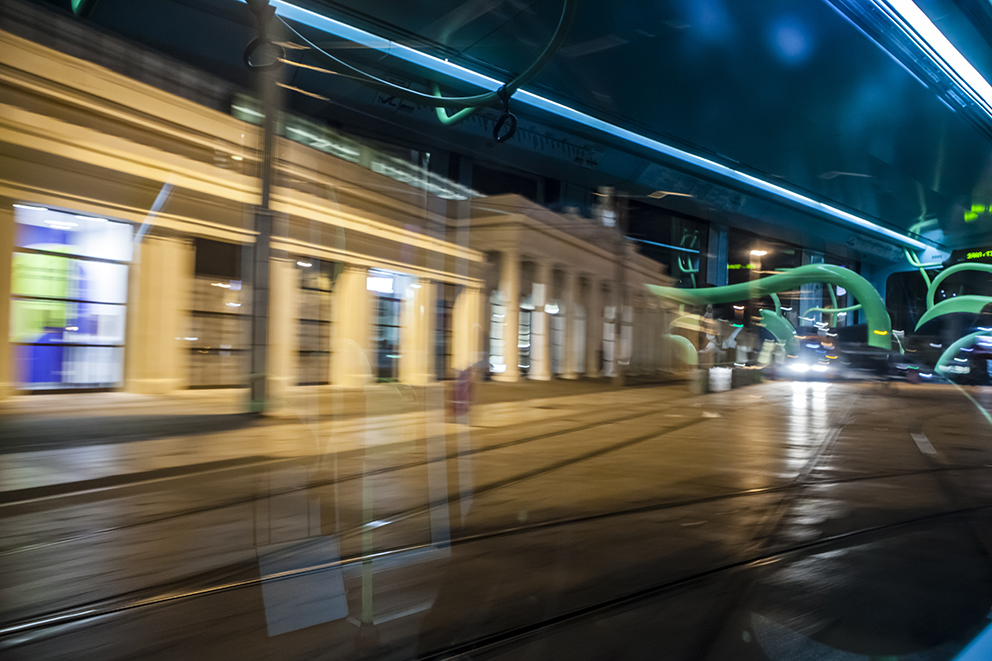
(93, 441)
(333, 401)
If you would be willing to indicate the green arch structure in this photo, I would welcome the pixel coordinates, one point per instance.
(684, 349)
(947, 357)
(879, 324)
(973, 304)
(782, 329)
(957, 268)
(969, 303)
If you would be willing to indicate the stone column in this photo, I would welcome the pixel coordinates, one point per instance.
(466, 328)
(642, 350)
(155, 357)
(352, 310)
(284, 329)
(540, 329)
(570, 300)
(8, 380)
(610, 336)
(461, 330)
(625, 331)
(579, 333)
(637, 350)
(417, 334)
(479, 312)
(509, 290)
(594, 327)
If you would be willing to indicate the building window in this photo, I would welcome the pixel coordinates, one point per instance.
(386, 336)
(556, 325)
(609, 340)
(386, 323)
(579, 338)
(316, 283)
(442, 330)
(497, 323)
(523, 339)
(219, 334)
(68, 299)
(493, 181)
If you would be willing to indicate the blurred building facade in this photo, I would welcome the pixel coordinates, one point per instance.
(126, 235)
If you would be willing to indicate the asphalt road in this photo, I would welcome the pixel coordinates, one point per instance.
(780, 521)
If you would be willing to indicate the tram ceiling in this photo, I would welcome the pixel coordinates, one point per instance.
(817, 97)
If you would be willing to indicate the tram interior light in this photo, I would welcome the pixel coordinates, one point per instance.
(946, 54)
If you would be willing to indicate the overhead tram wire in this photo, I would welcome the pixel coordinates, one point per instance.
(466, 105)
(477, 100)
(707, 161)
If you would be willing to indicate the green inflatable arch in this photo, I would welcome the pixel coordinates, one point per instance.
(879, 324)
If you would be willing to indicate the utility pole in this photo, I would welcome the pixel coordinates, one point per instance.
(263, 56)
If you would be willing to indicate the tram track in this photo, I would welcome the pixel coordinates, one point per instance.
(194, 472)
(131, 601)
(311, 484)
(180, 590)
(402, 514)
(506, 640)
(160, 595)
(256, 463)
(763, 551)
(509, 637)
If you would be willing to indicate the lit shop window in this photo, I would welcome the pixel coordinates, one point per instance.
(523, 335)
(68, 298)
(442, 329)
(556, 324)
(497, 325)
(219, 331)
(579, 338)
(609, 337)
(387, 288)
(316, 283)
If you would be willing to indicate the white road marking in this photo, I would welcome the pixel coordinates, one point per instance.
(923, 443)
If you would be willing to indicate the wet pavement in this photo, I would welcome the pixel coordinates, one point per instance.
(789, 520)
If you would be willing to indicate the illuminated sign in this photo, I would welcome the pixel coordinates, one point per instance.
(976, 211)
(734, 267)
(978, 254)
